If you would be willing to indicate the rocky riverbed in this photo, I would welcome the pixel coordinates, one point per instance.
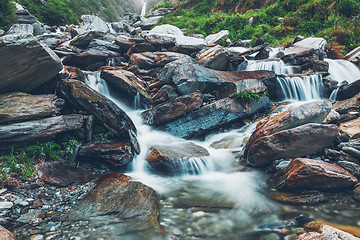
(159, 135)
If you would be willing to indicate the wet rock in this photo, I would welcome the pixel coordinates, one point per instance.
(332, 117)
(321, 231)
(116, 154)
(173, 109)
(165, 93)
(17, 134)
(351, 167)
(348, 91)
(103, 109)
(25, 63)
(295, 142)
(352, 128)
(6, 234)
(308, 198)
(315, 66)
(356, 193)
(306, 173)
(21, 29)
(314, 112)
(214, 115)
(141, 47)
(245, 51)
(354, 56)
(149, 60)
(216, 58)
(92, 22)
(120, 199)
(214, 38)
(61, 175)
(16, 107)
(184, 158)
(127, 82)
(54, 39)
(160, 39)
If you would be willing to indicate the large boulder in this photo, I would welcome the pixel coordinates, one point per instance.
(167, 29)
(18, 134)
(25, 63)
(183, 158)
(83, 39)
(160, 39)
(21, 29)
(306, 173)
(189, 44)
(352, 128)
(6, 234)
(117, 154)
(314, 112)
(350, 104)
(214, 38)
(54, 39)
(321, 231)
(103, 109)
(172, 109)
(121, 200)
(16, 107)
(215, 115)
(148, 60)
(216, 58)
(92, 22)
(347, 91)
(295, 142)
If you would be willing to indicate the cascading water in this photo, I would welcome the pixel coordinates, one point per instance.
(342, 70)
(275, 65)
(302, 88)
(143, 9)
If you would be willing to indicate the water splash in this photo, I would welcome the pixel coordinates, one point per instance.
(341, 70)
(302, 88)
(275, 65)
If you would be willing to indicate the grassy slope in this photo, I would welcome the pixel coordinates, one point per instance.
(276, 21)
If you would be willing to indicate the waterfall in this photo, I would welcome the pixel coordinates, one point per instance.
(334, 94)
(274, 65)
(143, 9)
(302, 88)
(341, 70)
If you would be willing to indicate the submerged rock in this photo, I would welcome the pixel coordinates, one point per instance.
(183, 158)
(25, 63)
(61, 175)
(16, 107)
(122, 200)
(295, 142)
(311, 197)
(303, 173)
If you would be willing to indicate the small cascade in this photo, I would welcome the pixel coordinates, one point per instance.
(110, 62)
(192, 166)
(302, 88)
(274, 52)
(143, 9)
(341, 70)
(274, 65)
(334, 94)
(137, 101)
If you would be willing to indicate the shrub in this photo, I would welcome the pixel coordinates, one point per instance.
(7, 15)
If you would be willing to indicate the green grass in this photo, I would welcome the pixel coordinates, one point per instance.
(7, 15)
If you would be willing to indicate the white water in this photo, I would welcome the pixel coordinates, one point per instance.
(302, 88)
(274, 65)
(342, 70)
(143, 9)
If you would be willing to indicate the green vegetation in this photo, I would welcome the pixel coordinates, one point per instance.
(155, 4)
(247, 96)
(276, 22)
(7, 15)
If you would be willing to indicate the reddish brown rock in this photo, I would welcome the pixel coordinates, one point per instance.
(311, 174)
(121, 200)
(117, 154)
(352, 128)
(307, 198)
(6, 234)
(348, 104)
(61, 175)
(356, 193)
(173, 109)
(16, 107)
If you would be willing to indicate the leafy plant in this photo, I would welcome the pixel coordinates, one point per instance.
(246, 96)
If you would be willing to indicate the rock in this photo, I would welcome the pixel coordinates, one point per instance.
(315, 66)
(352, 128)
(172, 109)
(61, 175)
(16, 107)
(190, 77)
(295, 142)
(214, 38)
(101, 44)
(149, 60)
(25, 63)
(39, 29)
(6, 234)
(351, 167)
(160, 39)
(141, 47)
(116, 154)
(117, 26)
(124, 42)
(53, 40)
(103, 109)
(27, 19)
(354, 56)
(302, 57)
(356, 192)
(244, 51)
(314, 112)
(122, 200)
(332, 117)
(308, 198)
(216, 58)
(6, 205)
(91, 22)
(20, 29)
(161, 11)
(321, 231)
(127, 82)
(177, 159)
(148, 23)
(215, 115)
(83, 40)
(2, 32)
(306, 173)
(167, 29)
(189, 44)
(17, 134)
(165, 93)
(348, 91)
(348, 104)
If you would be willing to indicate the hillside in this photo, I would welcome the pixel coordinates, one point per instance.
(277, 22)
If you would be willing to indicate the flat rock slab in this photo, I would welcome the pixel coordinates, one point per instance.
(17, 134)
(16, 107)
(61, 175)
(183, 158)
(352, 128)
(120, 199)
(173, 109)
(307, 198)
(25, 64)
(149, 60)
(213, 116)
(295, 142)
(116, 154)
(304, 173)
